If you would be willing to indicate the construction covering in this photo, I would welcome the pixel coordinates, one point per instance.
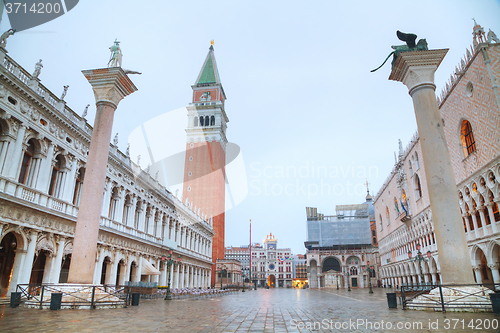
(351, 229)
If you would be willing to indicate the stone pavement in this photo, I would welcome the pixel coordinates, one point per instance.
(274, 310)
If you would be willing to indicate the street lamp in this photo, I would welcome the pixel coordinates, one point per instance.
(419, 257)
(169, 261)
(337, 282)
(370, 270)
(348, 282)
(243, 276)
(223, 269)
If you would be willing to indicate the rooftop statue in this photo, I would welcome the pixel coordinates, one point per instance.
(38, 69)
(5, 35)
(410, 46)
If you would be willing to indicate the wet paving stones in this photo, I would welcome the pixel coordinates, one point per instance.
(273, 310)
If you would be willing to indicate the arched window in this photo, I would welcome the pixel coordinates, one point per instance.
(467, 138)
(56, 178)
(353, 270)
(381, 223)
(195, 121)
(113, 204)
(80, 175)
(26, 167)
(417, 164)
(212, 121)
(496, 213)
(207, 120)
(202, 121)
(418, 187)
(138, 210)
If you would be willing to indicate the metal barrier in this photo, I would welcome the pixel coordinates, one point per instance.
(75, 295)
(419, 296)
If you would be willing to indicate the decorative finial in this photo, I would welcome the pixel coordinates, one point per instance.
(367, 186)
(115, 60)
(127, 152)
(475, 23)
(38, 69)
(115, 140)
(139, 160)
(65, 91)
(212, 42)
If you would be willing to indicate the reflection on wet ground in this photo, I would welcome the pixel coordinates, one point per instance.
(274, 310)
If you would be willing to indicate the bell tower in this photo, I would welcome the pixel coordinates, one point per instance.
(204, 172)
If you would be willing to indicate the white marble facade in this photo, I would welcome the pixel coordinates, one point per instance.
(43, 151)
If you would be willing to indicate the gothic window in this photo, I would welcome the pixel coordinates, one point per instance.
(207, 120)
(56, 178)
(212, 121)
(467, 138)
(496, 213)
(26, 165)
(353, 271)
(195, 121)
(476, 213)
(202, 121)
(418, 187)
(417, 164)
(410, 167)
(80, 175)
(381, 223)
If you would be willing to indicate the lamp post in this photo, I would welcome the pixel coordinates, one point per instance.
(222, 269)
(169, 261)
(243, 277)
(337, 282)
(370, 270)
(419, 257)
(348, 282)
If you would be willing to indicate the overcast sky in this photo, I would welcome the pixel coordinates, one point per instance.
(311, 120)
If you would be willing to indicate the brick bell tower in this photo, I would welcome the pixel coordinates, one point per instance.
(204, 171)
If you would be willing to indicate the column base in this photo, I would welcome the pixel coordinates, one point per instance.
(456, 299)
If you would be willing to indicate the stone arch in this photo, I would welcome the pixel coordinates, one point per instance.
(331, 263)
(476, 252)
(313, 272)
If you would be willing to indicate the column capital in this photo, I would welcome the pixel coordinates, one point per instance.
(417, 68)
(110, 85)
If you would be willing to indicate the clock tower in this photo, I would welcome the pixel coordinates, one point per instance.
(204, 172)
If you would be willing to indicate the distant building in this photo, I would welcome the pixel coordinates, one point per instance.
(340, 247)
(242, 254)
(299, 271)
(228, 273)
(271, 266)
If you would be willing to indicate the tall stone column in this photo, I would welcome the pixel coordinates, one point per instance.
(110, 86)
(416, 70)
(30, 256)
(56, 267)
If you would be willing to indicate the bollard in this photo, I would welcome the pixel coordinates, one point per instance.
(135, 298)
(15, 299)
(495, 302)
(392, 301)
(55, 301)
